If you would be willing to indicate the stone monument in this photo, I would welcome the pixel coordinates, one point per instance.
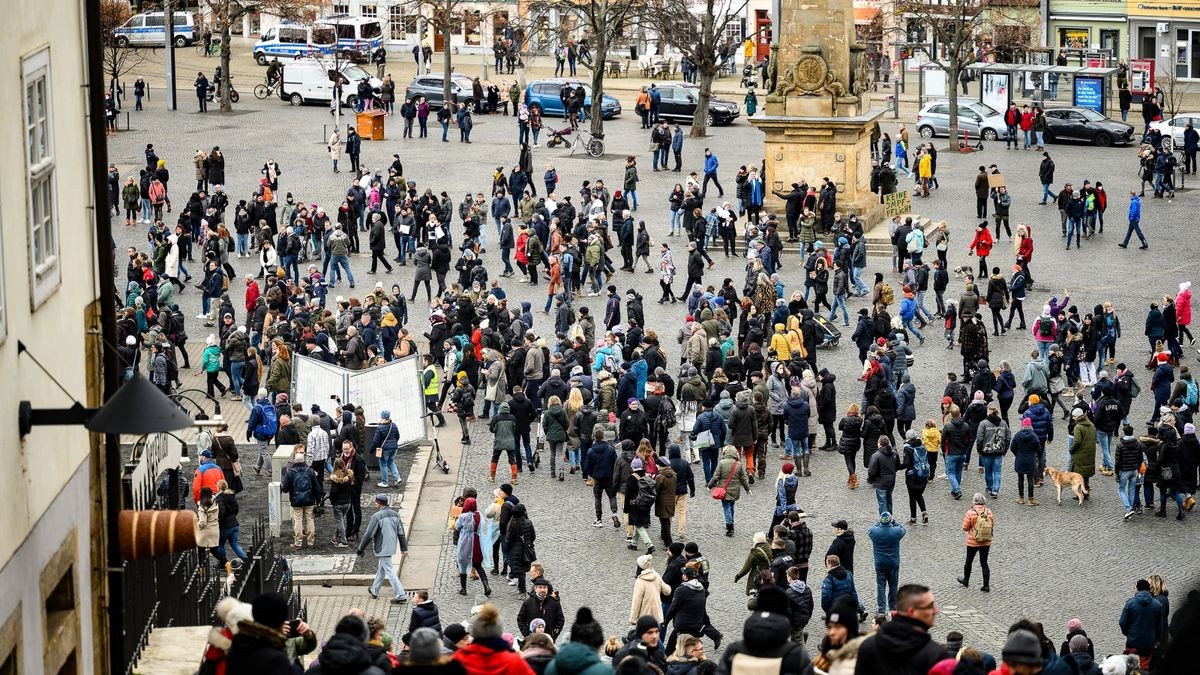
(817, 117)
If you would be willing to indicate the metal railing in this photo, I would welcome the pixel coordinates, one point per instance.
(183, 589)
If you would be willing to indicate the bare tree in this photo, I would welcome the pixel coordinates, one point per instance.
(445, 16)
(225, 13)
(605, 22)
(697, 31)
(1174, 91)
(120, 57)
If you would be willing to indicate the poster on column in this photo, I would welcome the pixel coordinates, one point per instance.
(995, 91)
(935, 81)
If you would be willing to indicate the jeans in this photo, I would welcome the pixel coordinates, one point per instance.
(1134, 226)
(290, 267)
(1127, 488)
(340, 513)
(230, 534)
(343, 262)
(147, 212)
(908, 325)
(386, 570)
(387, 466)
(235, 375)
(796, 447)
(727, 507)
(708, 461)
(1074, 229)
(1105, 441)
(839, 301)
(954, 469)
(883, 497)
(855, 278)
(1046, 193)
(243, 243)
(886, 581)
(991, 471)
(445, 131)
(406, 248)
(1011, 133)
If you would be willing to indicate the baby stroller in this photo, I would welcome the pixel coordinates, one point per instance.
(558, 138)
(829, 332)
(748, 78)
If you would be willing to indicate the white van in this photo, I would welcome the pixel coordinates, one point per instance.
(289, 40)
(355, 34)
(149, 29)
(311, 80)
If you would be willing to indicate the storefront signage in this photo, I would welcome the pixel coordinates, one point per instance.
(1087, 7)
(1187, 9)
(1089, 93)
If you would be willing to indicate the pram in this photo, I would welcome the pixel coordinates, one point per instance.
(558, 138)
(829, 332)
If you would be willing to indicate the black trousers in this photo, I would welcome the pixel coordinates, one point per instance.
(982, 552)
(1015, 308)
(378, 256)
(599, 489)
(916, 495)
(354, 515)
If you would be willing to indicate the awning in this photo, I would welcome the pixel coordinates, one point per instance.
(864, 15)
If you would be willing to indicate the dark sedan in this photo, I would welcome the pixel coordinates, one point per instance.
(679, 103)
(1085, 124)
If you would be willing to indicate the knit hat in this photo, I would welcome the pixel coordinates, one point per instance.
(885, 517)
(1022, 647)
(644, 623)
(536, 624)
(636, 464)
(844, 612)
(1163, 357)
(425, 646)
(1034, 399)
(1027, 423)
(910, 434)
(270, 609)
(487, 623)
(788, 467)
(1074, 625)
(772, 600)
(585, 630)
(1079, 643)
(946, 400)
(760, 537)
(454, 632)
(644, 561)
(507, 489)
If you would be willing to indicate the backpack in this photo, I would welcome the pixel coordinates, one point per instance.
(982, 532)
(302, 486)
(268, 421)
(920, 467)
(958, 392)
(998, 445)
(646, 492)
(886, 294)
(611, 363)
(172, 370)
(1134, 387)
(666, 414)
(1045, 328)
(1190, 397)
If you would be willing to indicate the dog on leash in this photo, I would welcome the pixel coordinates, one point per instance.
(1070, 479)
(961, 272)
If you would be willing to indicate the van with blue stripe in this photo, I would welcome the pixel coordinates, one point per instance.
(357, 36)
(293, 41)
(149, 29)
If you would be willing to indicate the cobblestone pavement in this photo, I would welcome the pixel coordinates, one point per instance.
(1049, 563)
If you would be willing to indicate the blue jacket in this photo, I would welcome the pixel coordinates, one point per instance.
(255, 418)
(1135, 208)
(795, 413)
(908, 309)
(885, 539)
(710, 163)
(640, 371)
(1164, 375)
(685, 479)
(677, 140)
(711, 421)
(1043, 421)
(1142, 621)
(601, 458)
(386, 436)
(838, 582)
(755, 192)
(1026, 448)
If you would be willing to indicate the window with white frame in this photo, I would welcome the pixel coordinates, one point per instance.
(370, 11)
(341, 8)
(44, 269)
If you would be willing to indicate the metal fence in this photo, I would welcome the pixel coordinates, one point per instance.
(183, 589)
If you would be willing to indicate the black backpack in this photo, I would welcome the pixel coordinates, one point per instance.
(666, 414)
(1045, 327)
(646, 492)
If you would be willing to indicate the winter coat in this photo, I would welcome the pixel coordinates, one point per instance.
(729, 457)
(881, 470)
(208, 527)
(851, 441)
(648, 593)
(664, 499)
(1142, 622)
(687, 608)
(885, 540)
(838, 581)
(796, 413)
(902, 646)
(1083, 450)
(757, 560)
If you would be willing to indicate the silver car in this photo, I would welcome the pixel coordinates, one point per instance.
(430, 87)
(977, 119)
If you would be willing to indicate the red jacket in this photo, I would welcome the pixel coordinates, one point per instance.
(1025, 250)
(982, 243)
(207, 475)
(1012, 117)
(1027, 121)
(479, 659)
(252, 293)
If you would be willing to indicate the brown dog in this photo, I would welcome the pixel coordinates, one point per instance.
(1069, 478)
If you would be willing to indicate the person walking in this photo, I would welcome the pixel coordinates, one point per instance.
(992, 441)
(640, 494)
(1143, 623)
(881, 474)
(304, 492)
(385, 534)
(725, 488)
(885, 539)
(1135, 222)
(689, 612)
(979, 524)
(334, 146)
(915, 463)
(341, 494)
(1046, 176)
(710, 173)
(471, 554)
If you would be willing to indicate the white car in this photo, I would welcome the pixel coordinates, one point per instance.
(1174, 127)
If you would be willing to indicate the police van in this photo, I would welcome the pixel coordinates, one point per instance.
(357, 36)
(312, 81)
(149, 29)
(289, 40)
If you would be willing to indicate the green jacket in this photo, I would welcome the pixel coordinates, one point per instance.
(729, 456)
(631, 178)
(131, 196)
(757, 560)
(1083, 450)
(210, 362)
(554, 423)
(576, 658)
(504, 429)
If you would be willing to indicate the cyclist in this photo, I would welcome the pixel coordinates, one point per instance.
(273, 71)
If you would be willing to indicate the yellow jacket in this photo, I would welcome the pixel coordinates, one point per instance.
(779, 344)
(925, 166)
(931, 438)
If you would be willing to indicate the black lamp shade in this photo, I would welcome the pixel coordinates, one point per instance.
(138, 408)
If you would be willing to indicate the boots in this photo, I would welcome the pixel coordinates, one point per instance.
(728, 529)
(985, 587)
(854, 481)
(804, 465)
(462, 584)
(513, 469)
(487, 588)
(492, 472)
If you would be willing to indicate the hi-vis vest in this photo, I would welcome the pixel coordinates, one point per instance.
(431, 389)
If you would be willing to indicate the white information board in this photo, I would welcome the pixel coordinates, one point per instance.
(394, 386)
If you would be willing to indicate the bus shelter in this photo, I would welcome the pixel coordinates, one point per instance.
(1042, 85)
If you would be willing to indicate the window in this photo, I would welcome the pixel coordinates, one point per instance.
(369, 10)
(371, 30)
(341, 8)
(471, 25)
(155, 20)
(396, 24)
(10, 644)
(60, 609)
(44, 268)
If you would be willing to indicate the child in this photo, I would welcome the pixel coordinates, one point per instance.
(951, 315)
(931, 438)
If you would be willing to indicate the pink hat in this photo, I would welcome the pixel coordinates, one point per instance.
(1027, 423)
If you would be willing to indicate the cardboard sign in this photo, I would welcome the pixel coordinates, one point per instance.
(897, 203)
(995, 180)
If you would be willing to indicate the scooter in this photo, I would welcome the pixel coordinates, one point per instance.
(213, 94)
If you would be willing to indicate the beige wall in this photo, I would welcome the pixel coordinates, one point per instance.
(40, 467)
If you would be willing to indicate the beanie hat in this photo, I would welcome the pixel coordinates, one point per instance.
(487, 623)
(1022, 647)
(788, 467)
(353, 626)
(1027, 423)
(946, 400)
(454, 632)
(844, 613)
(270, 609)
(1163, 357)
(644, 623)
(1034, 399)
(644, 561)
(425, 646)
(760, 537)
(954, 642)
(772, 600)
(636, 464)
(536, 624)
(507, 489)
(585, 630)
(1079, 643)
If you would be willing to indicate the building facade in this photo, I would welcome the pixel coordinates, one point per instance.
(47, 301)
(1169, 33)
(1089, 25)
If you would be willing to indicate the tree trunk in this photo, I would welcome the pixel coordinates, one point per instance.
(700, 120)
(599, 57)
(226, 106)
(446, 55)
(952, 74)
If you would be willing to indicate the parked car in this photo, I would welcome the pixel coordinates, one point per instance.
(1085, 124)
(977, 119)
(679, 103)
(432, 88)
(1175, 126)
(548, 95)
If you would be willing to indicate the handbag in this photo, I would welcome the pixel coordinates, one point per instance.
(703, 440)
(530, 553)
(719, 493)
(455, 512)
(237, 468)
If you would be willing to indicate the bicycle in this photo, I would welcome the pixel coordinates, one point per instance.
(593, 144)
(263, 90)
(213, 48)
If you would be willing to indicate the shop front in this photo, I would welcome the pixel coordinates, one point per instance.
(1089, 25)
(1168, 33)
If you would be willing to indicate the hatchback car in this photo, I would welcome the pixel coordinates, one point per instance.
(431, 87)
(1175, 126)
(548, 95)
(977, 119)
(679, 103)
(1085, 124)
